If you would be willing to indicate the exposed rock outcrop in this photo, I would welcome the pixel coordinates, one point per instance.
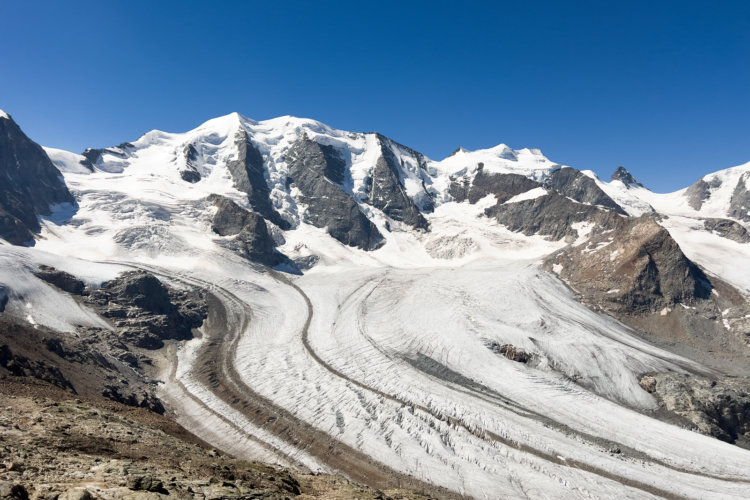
(552, 215)
(21, 366)
(56, 447)
(133, 397)
(582, 188)
(251, 237)
(728, 228)
(4, 296)
(328, 206)
(387, 192)
(503, 186)
(511, 352)
(739, 204)
(637, 272)
(190, 172)
(62, 280)
(700, 191)
(94, 155)
(621, 174)
(13, 491)
(248, 173)
(146, 312)
(635, 267)
(30, 185)
(718, 408)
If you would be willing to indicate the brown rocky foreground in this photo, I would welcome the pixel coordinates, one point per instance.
(56, 446)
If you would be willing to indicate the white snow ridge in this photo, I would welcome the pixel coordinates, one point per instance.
(393, 352)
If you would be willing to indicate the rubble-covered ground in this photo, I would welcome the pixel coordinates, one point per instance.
(56, 446)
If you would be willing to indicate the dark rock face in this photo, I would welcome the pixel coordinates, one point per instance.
(146, 312)
(635, 267)
(62, 280)
(550, 215)
(575, 184)
(21, 366)
(335, 168)
(94, 155)
(248, 174)
(503, 186)
(138, 399)
(190, 173)
(252, 238)
(622, 175)
(77, 351)
(699, 192)
(4, 292)
(328, 206)
(739, 205)
(387, 193)
(31, 184)
(727, 228)
(717, 408)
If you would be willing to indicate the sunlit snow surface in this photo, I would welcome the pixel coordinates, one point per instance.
(392, 352)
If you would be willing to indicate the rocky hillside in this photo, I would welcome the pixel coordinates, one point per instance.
(116, 362)
(56, 446)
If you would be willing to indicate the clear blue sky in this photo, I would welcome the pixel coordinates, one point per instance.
(662, 88)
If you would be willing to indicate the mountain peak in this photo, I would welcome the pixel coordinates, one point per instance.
(621, 174)
(231, 121)
(4, 115)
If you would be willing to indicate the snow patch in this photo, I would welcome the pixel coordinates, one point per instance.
(583, 229)
(531, 194)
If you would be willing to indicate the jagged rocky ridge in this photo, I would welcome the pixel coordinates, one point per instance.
(328, 205)
(31, 184)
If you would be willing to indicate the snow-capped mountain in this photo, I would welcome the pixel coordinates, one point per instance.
(492, 323)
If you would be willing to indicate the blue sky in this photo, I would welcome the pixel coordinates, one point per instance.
(662, 88)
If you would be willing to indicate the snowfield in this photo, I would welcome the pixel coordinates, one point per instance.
(391, 356)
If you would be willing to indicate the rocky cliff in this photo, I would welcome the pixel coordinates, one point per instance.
(31, 184)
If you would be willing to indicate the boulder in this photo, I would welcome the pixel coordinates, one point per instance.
(13, 491)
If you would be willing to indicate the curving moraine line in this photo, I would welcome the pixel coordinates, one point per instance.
(492, 436)
(215, 369)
